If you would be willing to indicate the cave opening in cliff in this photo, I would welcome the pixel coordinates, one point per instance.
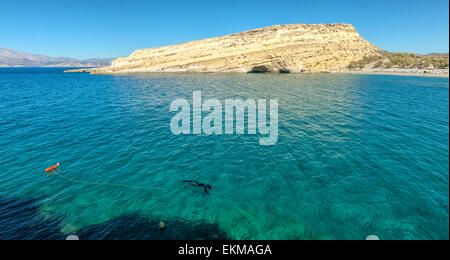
(284, 71)
(259, 69)
(267, 69)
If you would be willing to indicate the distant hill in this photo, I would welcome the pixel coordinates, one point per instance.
(291, 48)
(388, 60)
(12, 58)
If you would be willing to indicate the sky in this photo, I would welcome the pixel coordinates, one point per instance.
(112, 28)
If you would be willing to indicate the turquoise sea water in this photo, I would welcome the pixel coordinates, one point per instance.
(357, 155)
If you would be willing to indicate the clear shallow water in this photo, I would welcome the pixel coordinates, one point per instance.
(356, 155)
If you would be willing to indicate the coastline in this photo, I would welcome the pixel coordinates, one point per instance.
(393, 72)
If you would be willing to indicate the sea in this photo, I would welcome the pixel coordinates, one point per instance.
(356, 155)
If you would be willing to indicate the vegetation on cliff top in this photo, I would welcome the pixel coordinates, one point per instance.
(402, 60)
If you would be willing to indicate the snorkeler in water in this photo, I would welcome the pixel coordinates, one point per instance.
(197, 184)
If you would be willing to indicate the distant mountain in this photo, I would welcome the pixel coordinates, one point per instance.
(12, 58)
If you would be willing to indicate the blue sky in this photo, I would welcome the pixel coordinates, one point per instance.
(112, 28)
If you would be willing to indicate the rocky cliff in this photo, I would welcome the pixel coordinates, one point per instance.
(281, 48)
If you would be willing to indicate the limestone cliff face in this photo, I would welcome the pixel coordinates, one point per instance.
(281, 48)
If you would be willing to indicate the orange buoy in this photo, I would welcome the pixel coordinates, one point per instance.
(52, 168)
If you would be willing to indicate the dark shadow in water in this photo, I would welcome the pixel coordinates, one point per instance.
(133, 227)
(20, 220)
